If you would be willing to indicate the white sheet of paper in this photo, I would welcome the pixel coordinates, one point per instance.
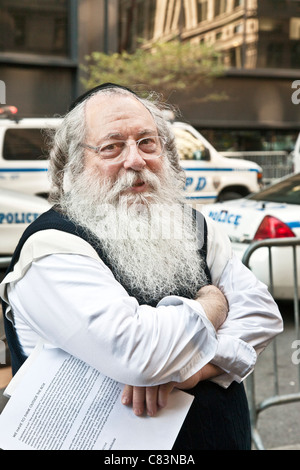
(62, 403)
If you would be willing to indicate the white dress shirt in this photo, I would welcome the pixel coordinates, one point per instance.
(70, 298)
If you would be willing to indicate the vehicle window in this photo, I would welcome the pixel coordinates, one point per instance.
(287, 191)
(189, 148)
(24, 144)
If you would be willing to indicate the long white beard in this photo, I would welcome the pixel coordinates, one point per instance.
(148, 238)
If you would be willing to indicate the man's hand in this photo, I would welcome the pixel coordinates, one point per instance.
(207, 372)
(150, 399)
(214, 304)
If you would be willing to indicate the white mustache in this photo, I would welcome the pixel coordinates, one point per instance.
(131, 178)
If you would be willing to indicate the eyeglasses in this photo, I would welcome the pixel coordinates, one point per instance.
(149, 148)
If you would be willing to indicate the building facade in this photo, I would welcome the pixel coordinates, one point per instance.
(260, 45)
(251, 34)
(44, 42)
(42, 45)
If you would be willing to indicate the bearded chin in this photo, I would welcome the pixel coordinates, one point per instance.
(148, 237)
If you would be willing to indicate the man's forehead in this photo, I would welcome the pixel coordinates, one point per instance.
(103, 86)
(116, 108)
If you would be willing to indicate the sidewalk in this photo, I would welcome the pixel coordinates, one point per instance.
(278, 425)
(295, 447)
(5, 376)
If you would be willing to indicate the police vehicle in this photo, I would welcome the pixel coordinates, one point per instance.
(273, 212)
(209, 175)
(23, 157)
(17, 210)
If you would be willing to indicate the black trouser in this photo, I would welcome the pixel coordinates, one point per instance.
(217, 420)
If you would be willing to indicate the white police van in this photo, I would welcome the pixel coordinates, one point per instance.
(17, 211)
(23, 157)
(23, 175)
(210, 176)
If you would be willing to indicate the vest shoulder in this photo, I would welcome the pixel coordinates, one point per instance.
(51, 219)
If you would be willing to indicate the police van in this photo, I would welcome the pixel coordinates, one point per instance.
(210, 177)
(23, 155)
(23, 175)
(17, 211)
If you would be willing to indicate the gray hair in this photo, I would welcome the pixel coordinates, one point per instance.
(67, 155)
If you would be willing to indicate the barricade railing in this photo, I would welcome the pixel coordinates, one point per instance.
(276, 399)
(4, 261)
(275, 163)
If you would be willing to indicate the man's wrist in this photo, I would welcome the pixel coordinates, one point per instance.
(214, 304)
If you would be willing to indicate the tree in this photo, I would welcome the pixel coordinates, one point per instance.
(166, 67)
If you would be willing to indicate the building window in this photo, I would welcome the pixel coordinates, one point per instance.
(150, 18)
(271, 25)
(126, 25)
(34, 27)
(220, 7)
(136, 21)
(238, 28)
(295, 28)
(145, 18)
(295, 55)
(238, 3)
(140, 27)
(201, 10)
(274, 55)
(235, 57)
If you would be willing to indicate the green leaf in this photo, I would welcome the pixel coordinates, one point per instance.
(164, 67)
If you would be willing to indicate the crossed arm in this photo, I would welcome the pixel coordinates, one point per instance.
(141, 344)
(150, 399)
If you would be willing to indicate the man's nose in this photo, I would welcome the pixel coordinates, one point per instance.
(133, 160)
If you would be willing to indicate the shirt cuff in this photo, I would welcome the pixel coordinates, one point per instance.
(235, 357)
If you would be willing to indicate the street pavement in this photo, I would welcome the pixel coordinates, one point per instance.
(278, 426)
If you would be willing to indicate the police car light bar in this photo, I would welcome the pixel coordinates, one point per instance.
(8, 111)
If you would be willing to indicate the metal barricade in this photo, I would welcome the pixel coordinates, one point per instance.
(4, 261)
(276, 398)
(275, 164)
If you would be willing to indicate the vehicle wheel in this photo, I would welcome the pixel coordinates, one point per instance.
(227, 196)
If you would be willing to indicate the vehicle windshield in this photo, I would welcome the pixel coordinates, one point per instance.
(188, 147)
(287, 191)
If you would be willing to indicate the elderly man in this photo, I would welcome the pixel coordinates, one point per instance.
(122, 275)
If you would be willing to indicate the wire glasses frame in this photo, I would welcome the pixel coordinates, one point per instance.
(149, 148)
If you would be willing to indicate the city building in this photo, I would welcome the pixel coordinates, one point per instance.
(260, 45)
(43, 44)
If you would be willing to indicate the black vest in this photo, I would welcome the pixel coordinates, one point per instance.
(53, 219)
